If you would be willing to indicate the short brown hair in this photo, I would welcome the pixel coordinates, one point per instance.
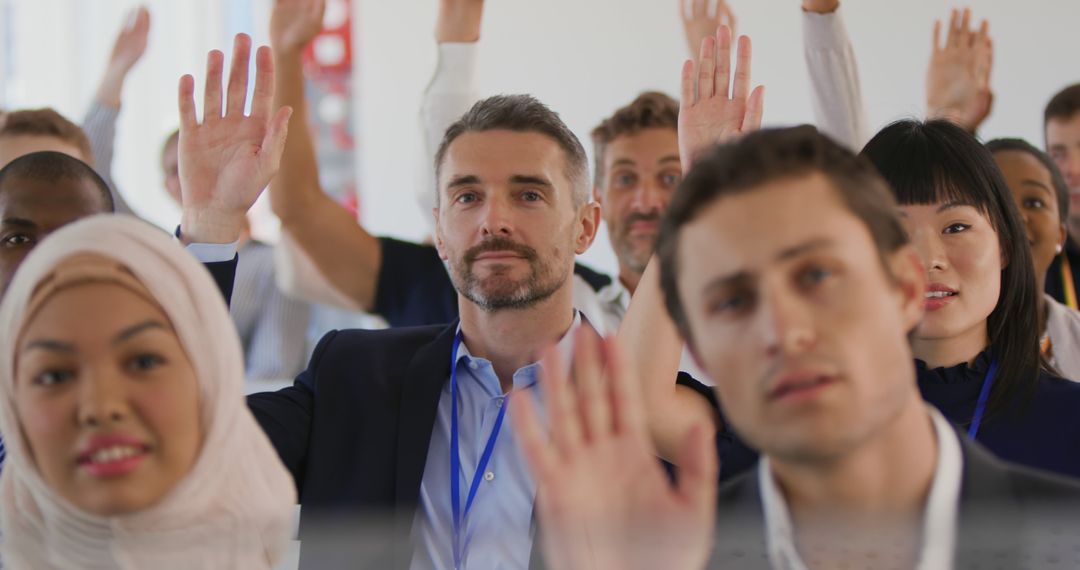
(46, 122)
(763, 157)
(650, 110)
(1063, 105)
(523, 114)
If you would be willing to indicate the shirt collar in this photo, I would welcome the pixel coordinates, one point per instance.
(939, 515)
(615, 293)
(565, 347)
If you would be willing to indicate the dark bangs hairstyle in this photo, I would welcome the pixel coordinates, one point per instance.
(936, 162)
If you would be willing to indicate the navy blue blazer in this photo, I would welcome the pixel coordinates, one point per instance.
(358, 462)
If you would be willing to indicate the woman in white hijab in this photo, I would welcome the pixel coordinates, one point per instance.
(121, 402)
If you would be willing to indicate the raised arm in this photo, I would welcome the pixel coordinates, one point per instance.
(958, 77)
(100, 121)
(325, 233)
(836, 93)
(452, 89)
(699, 22)
(228, 158)
(649, 336)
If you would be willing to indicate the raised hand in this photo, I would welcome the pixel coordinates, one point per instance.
(129, 47)
(227, 160)
(698, 23)
(459, 21)
(602, 497)
(711, 110)
(294, 23)
(958, 78)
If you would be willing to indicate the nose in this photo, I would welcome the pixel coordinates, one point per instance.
(102, 400)
(931, 250)
(496, 218)
(788, 322)
(648, 198)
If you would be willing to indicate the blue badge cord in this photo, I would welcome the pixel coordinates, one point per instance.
(984, 396)
(455, 457)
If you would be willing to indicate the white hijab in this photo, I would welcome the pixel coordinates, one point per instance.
(233, 509)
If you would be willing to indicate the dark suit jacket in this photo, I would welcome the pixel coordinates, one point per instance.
(224, 274)
(1009, 517)
(354, 431)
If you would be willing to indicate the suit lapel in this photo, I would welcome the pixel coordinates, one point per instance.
(988, 513)
(421, 388)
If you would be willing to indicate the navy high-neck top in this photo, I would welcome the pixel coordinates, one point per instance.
(1043, 433)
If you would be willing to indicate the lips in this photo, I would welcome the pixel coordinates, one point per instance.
(112, 455)
(799, 386)
(938, 296)
(500, 255)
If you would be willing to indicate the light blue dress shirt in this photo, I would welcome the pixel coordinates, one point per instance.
(498, 532)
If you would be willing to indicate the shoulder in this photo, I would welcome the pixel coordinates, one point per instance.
(373, 349)
(593, 278)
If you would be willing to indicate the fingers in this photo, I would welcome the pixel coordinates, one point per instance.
(723, 60)
(755, 109)
(141, 21)
(186, 103)
(937, 36)
(627, 408)
(587, 372)
(262, 98)
(273, 144)
(706, 86)
(687, 88)
(238, 75)
(561, 405)
(215, 61)
(530, 435)
(964, 33)
(953, 39)
(698, 9)
(741, 88)
(698, 468)
(725, 14)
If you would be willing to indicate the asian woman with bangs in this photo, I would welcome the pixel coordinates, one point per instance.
(978, 346)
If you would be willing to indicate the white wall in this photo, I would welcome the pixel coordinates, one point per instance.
(583, 57)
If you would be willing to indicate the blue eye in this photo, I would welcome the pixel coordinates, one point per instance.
(466, 198)
(670, 180)
(530, 196)
(624, 180)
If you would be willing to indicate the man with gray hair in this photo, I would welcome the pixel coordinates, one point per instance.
(410, 421)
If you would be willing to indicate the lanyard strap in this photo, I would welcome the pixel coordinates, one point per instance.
(984, 396)
(455, 457)
(1067, 282)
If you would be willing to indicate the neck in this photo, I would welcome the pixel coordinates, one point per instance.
(887, 477)
(514, 338)
(1074, 231)
(629, 278)
(953, 350)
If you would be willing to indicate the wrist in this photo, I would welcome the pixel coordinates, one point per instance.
(821, 6)
(110, 88)
(206, 225)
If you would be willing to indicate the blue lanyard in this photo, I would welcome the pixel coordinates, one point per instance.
(455, 457)
(984, 395)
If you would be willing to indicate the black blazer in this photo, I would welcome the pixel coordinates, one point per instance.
(1009, 517)
(354, 430)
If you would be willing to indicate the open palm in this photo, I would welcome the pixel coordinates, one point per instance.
(227, 160)
(602, 497)
(715, 108)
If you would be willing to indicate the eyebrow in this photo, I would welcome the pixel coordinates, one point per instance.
(529, 179)
(124, 335)
(1037, 184)
(463, 180)
(669, 158)
(21, 222)
(789, 253)
(134, 330)
(951, 205)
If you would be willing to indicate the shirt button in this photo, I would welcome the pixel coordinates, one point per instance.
(473, 365)
(499, 402)
(489, 476)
